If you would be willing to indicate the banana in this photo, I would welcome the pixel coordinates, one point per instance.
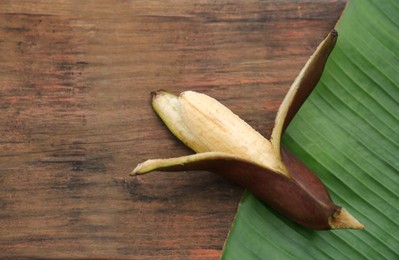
(228, 146)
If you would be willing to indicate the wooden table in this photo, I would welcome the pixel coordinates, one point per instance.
(75, 117)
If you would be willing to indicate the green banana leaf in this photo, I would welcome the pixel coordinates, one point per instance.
(347, 132)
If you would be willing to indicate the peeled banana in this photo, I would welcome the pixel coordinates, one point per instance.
(228, 146)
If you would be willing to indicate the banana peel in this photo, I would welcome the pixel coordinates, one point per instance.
(228, 146)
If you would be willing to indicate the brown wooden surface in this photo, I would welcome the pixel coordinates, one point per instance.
(75, 117)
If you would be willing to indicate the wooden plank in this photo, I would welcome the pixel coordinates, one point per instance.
(75, 78)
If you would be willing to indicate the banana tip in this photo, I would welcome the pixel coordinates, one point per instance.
(136, 170)
(342, 219)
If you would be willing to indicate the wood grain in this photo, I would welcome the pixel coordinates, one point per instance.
(75, 117)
